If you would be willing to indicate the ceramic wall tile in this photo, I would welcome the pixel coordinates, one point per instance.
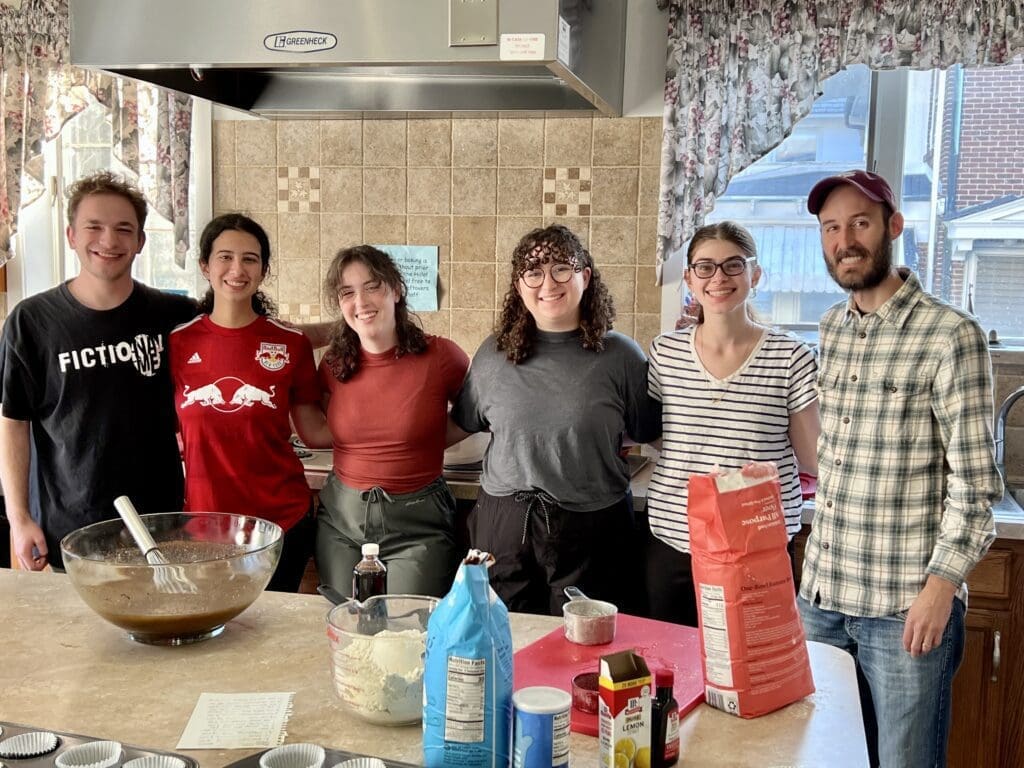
(337, 231)
(298, 189)
(579, 227)
(648, 295)
(431, 230)
(473, 238)
(470, 327)
(647, 240)
(297, 283)
(299, 235)
(615, 192)
(650, 141)
(256, 188)
(616, 141)
(567, 192)
(255, 142)
(430, 142)
(341, 190)
(384, 190)
(298, 142)
(621, 282)
(341, 142)
(648, 326)
(224, 142)
(472, 286)
(520, 191)
(384, 143)
(474, 142)
(430, 190)
(384, 230)
(509, 231)
(437, 323)
(567, 141)
(613, 239)
(521, 142)
(473, 191)
(650, 181)
(224, 188)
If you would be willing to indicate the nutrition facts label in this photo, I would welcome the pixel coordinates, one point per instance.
(715, 630)
(464, 703)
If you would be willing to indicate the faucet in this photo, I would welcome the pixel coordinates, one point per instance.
(1000, 431)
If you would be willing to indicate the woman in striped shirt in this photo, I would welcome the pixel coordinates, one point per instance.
(732, 391)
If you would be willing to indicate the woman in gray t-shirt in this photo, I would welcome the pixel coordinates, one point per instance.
(559, 391)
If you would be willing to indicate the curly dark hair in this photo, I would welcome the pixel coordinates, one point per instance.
(236, 222)
(516, 330)
(342, 354)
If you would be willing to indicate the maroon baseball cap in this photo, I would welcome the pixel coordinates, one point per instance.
(871, 185)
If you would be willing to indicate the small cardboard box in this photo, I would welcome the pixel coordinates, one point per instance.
(624, 711)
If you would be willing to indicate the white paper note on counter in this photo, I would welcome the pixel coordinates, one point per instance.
(237, 721)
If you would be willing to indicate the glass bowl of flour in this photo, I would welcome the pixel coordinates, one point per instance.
(377, 650)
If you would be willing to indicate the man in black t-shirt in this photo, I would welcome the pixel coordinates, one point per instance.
(87, 407)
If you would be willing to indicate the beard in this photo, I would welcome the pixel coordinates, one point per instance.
(878, 267)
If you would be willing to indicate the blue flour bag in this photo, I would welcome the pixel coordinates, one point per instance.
(467, 674)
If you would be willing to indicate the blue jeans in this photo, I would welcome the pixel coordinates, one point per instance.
(910, 697)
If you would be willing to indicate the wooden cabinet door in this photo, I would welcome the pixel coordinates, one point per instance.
(979, 692)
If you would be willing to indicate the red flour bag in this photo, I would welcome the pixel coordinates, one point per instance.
(752, 641)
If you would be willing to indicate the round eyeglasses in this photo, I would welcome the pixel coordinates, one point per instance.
(560, 273)
(706, 268)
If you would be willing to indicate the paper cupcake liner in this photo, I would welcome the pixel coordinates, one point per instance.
(30, 744)
(294, 756)
(156, 761)
(362, 762)
(94, 754)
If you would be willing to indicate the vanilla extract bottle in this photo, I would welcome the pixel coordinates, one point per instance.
(370, 576)
(664, 721)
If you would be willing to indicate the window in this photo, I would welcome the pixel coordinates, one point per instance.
(83, 147)
(950, 142)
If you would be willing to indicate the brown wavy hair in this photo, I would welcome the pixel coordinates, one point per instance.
(106, 183)
(236, 222)
(342, 354)
(517, 331)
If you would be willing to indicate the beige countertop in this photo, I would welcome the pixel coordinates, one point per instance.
(66, 669)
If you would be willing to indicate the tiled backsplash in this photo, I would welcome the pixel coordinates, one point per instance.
(472, 186)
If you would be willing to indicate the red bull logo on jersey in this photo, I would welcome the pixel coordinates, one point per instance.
(215, 395)
(273, 357)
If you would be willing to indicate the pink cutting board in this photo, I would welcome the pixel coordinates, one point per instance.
(553, 660)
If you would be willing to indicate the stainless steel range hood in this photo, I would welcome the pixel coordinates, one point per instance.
(326, 58)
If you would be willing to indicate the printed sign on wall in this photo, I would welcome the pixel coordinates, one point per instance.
(418, 265)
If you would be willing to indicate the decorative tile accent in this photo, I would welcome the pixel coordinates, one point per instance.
(567, 191)
(298, 189)
(301, 314)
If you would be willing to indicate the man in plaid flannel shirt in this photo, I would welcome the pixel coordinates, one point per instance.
(906, 479)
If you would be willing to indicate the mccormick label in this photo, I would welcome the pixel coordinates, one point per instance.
(624, 711)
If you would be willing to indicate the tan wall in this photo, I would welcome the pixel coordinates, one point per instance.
(471, 186)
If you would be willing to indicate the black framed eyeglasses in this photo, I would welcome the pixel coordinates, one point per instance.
(706, 268)
(560, 273)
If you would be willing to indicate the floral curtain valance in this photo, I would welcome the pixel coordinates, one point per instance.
(40, 92)
(742, 73)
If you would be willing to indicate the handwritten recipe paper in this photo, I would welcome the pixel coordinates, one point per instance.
(237, 721)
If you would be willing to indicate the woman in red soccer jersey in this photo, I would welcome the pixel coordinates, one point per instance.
(238, 375)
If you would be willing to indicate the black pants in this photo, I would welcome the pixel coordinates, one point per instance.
(542, 549)
(669, 582)
(295, 553)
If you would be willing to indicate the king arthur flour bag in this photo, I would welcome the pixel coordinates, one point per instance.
(467, 675)
(752, 639)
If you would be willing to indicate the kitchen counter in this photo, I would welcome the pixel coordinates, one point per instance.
(68, 670)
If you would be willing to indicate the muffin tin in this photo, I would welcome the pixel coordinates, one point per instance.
(334, 756)
(66, 741)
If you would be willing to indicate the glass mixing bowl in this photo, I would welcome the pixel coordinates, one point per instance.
(219, 564)
(377, 650)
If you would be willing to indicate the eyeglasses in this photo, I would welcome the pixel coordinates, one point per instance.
(706, 268)
(560, 273)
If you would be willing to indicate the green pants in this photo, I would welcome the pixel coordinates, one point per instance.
(415, 531)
